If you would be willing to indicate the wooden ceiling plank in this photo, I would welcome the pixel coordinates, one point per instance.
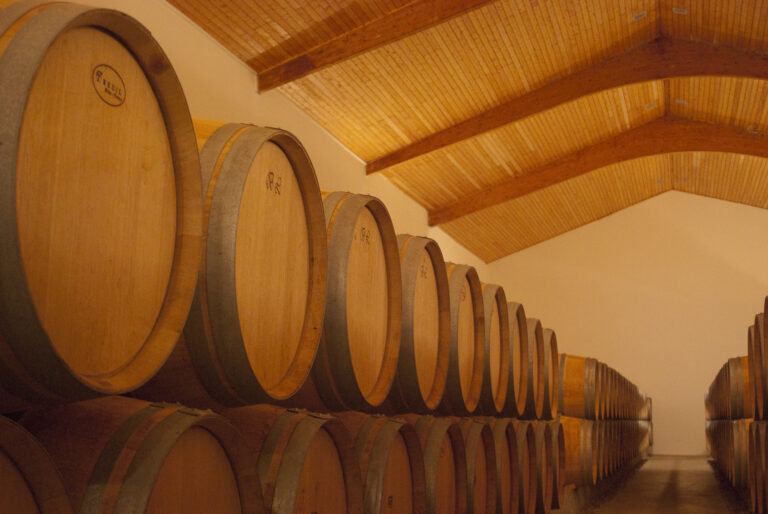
(660, 59)
(665, 135)
(409, 19)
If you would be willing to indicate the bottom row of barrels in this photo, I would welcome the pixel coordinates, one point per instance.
(740, 452)
(121, 455)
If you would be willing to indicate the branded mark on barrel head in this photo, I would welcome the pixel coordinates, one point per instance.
(274, 182)
(109, 85)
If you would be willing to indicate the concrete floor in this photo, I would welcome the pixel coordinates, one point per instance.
(666, 484)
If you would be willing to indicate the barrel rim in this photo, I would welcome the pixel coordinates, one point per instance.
(519, 391)
(455, 400)
(552, 393)
(406, 385)
(213, 330)
(35, 464)
(23, 55)
(495, 297)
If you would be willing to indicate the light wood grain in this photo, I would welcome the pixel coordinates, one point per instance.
(321, 484)
(496, 356)
(466, 337)
(367, 301)
(445, 486)
(98, 291)
(196, 478)
(272, 265)
(426, 337)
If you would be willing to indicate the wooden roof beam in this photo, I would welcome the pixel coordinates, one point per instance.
(404, 21)
(664, 135)
(659, 59)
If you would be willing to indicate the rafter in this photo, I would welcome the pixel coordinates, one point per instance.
(665, 135)
(659, 59)
(404, 21)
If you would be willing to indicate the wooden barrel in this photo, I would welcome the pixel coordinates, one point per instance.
(534, 402)
(120, 455)
(445, 464)
(70, 229)
(357, 358)
(481, 465)
(759, 367)
(507, 465)
(737, 382)
(551, 375)
(494, 394)
(612, 409)
(601, 390)
(422, 368)
(756, 468)
(580, 451)
(255, 324)
(306, 462)
(577, 386)
(391, 463)
(754, 367)
(544, 471)
(558, 465)
(467, 354)
(526, 463)
(30, 483)
(518, 374)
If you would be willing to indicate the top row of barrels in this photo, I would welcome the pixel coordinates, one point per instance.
(201, 263)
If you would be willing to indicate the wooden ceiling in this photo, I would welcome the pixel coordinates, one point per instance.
(514, 121)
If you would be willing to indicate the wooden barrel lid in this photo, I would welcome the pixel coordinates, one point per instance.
(445, 464)
(99, 266)
(534, 405)
(306, 461)
(425, 337)
(29, 480)
(140, 457)
(391, 462)
(467, 354)
(518, 354)
(495, 390)
(481, 465)
(255, 327)
(363, 303)
(551, 375)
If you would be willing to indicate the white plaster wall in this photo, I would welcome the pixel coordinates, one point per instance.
(663, 291)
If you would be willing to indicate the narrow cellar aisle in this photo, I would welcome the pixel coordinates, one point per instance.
(673, 484)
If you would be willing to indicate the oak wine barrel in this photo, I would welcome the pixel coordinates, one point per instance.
(759, 371)
(481, 465)
(467, 351)
(534, 403)
(494, 394)
(507, 465)
(526, 464)
(422, 368)
(558, 465)
(580, 452)
(544, 471)
(357, 359)
(577, 386)
(120, 455)
(551, 405)
(391, 462)
(306, 462)
(445, 463)
(255, 325)
(518, 374)
(97, 270)
(30, 482)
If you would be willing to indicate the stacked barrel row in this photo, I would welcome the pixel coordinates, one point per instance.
(118, 454)
(607, 420)
(736, 426)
